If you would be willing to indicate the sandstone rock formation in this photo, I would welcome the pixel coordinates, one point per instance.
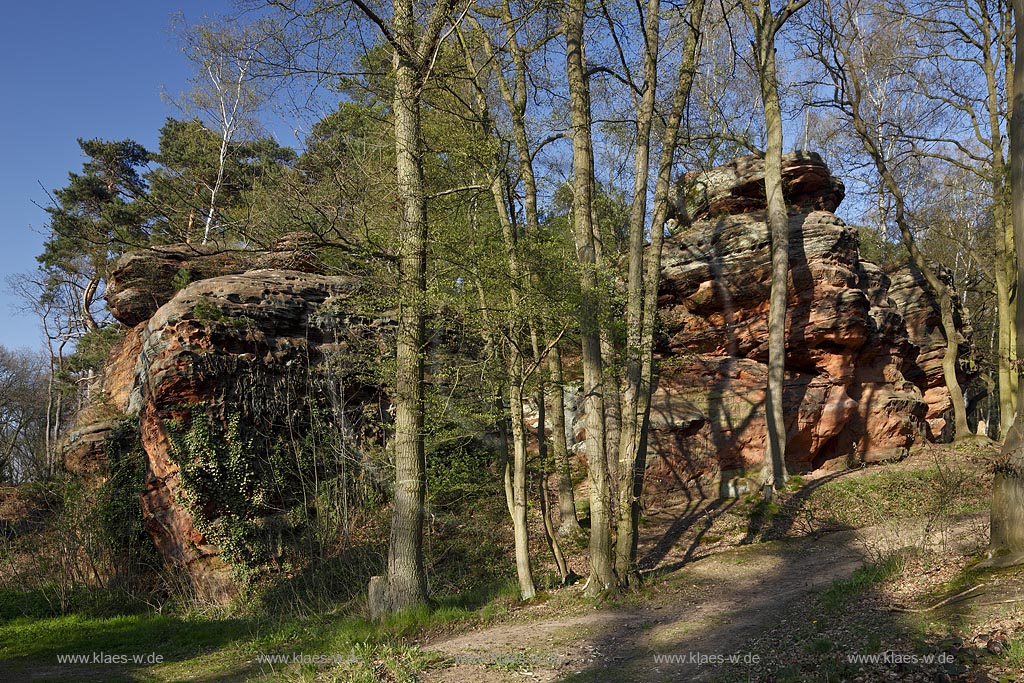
(738, 187)
(924, 327)
(144, 280)
(226, 368)
(857, 373)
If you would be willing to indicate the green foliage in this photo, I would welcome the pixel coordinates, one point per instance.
(96, 214)
(878, 249)
(181, 279)
(209, 313)
(93, 219)
(189, 162)
(273, 502)
(1015, 654)
(93, 348)
(223, 486)
(119, 514)
(459, 471)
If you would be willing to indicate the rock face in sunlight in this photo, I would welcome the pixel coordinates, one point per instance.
(223, 378)
(145, 280)
(863, 383)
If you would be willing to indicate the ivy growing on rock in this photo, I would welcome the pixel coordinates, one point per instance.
(117, 514)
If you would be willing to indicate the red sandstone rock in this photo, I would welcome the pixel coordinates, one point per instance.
(216, 345)
(860, 377)
(235, 343)
(924, 328)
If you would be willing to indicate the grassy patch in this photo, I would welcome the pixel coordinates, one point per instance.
(44, 639)
(359, 649)
(1015, 654)
(841, 591)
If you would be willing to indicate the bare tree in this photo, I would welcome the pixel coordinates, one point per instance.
(1007, 524)
(226, 93)
(840, 45)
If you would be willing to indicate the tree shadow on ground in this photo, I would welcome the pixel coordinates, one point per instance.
(775, 520)
(115, 649)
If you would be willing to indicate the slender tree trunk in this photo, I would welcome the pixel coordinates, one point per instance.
(519, 522)
(950, 363)
(568, 522)
(542, 456)
(549, 532)
(519, 278)
(642, 305)
(407, 584)
(514, 94)
(1003, 242)
(632, 417)
(1009, 230)
(602, 572)
(1007, 521)
(1004, 365)
(765, 28)
(517, 373)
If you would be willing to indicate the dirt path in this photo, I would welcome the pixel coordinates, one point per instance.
(710, 608)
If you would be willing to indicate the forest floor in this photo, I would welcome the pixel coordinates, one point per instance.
(792, 591)
(861, 575)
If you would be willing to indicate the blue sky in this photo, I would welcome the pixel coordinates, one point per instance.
(70, 70)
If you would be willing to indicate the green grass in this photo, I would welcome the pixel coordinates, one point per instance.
(874, 498)
(45, 638)
(841, 591)
(195, 643)
(1015, 654)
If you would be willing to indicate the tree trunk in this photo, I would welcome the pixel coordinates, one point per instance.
(568, 523)
(519, 523)
(407, 584)
(542, 456)
(1005, 370)
(602, 574)
(775, 473)
(514, 94)
(1007, 516)
(1002, 239)
(88, 297)
(642, 302)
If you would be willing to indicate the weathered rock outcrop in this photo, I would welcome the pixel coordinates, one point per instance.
(924, 327)
(83, 447)
(222, 348)
(738, 187)
(856, 375)
(144, 280)
(222, 376)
